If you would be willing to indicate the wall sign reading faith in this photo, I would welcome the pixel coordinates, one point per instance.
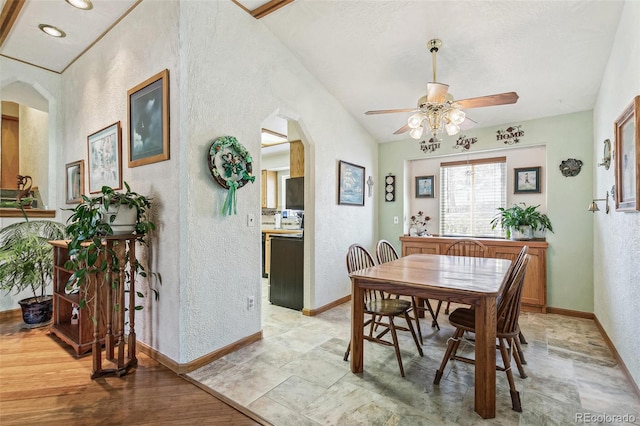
(430, 146)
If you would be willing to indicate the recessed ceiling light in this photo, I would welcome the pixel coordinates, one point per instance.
(81, 4)
(51, 30)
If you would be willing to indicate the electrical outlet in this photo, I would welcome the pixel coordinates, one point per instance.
(251, 220)
(395, 220)
(251, 303)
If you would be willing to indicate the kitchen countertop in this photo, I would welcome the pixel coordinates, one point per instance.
(282, 231)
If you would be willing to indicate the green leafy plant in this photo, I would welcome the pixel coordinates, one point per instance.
(26, 257)
(518, 216)
(88, 227)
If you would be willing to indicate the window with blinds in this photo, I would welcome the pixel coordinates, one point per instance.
(470, 193)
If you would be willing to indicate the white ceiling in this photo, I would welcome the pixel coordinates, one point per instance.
(372, 54)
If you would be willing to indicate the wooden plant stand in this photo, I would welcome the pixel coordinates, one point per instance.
(114, 338)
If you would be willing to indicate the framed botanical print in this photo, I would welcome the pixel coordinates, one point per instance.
(350, 184)
(148, 112)
(627, 158)
(74, 182)
(526, 180)
(105, 158)
(425, 186)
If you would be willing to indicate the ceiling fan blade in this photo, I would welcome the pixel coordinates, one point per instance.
(468, 123)
(436, 92)
(491, 100)
(389, 111)
(402, 129)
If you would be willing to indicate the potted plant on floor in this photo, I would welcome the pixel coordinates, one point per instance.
(519, 221)
(26, 262)
(99, 217)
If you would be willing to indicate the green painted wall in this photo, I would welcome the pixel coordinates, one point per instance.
(570, 254)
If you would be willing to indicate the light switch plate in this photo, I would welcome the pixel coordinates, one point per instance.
(395, 220)
(251, 220)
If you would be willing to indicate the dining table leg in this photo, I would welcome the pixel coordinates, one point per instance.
(357, 327)
(485, 383)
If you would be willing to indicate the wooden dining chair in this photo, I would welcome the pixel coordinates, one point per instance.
(385, 252)
(521, 339)
(380, 308)
(466, 247)
(508, 311)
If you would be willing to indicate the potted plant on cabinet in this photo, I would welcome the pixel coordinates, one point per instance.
(26, 262)
(519, 221)
(97, 218)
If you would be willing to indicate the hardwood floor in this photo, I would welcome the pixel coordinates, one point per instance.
(42, 382)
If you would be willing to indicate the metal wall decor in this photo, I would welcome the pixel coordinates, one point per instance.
(464, 142)
(430, 146)
(570, 167)
(606, 155)
(390, 188)
(510, 135)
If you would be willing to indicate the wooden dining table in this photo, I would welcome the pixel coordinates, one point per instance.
(469, 280)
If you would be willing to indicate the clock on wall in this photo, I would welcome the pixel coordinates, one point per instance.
(390, 188)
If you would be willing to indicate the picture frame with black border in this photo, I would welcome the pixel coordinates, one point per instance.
(425, 186)
(526, 180)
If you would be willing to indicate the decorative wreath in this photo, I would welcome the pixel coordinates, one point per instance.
(230, 165)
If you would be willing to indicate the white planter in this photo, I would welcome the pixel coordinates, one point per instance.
(540, 234)
(124, 219)
(521, 233)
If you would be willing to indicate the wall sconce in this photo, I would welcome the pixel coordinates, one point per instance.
(370, 184)
(593, 207)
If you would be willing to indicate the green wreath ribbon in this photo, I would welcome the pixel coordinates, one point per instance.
(237, 162)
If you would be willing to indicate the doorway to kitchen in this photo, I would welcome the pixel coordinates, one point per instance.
(282, 220)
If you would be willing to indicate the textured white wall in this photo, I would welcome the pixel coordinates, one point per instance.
(617, 235)
(94, 95)
(34, 149)
(564, 136)
(236, 74)
(39, 84)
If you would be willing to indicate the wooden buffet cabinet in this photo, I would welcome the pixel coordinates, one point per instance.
(534, 295)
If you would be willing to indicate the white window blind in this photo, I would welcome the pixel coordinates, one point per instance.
(471, 191)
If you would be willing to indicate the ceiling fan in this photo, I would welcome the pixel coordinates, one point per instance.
(438, 111)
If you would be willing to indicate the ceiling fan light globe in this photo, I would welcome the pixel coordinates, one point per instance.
(452, 129)
(416, 133)
(415, 120)
(456, 116)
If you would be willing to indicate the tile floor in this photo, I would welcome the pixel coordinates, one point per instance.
(296, 376)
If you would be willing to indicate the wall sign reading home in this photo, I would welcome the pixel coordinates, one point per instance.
(510, 135)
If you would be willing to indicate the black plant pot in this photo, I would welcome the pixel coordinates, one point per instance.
(36, 312)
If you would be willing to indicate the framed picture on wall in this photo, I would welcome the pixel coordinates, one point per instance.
(75, 182)
(425, 187)
(627, 158)
(148, 112)
(105, 158)
(526, 180)
(350, 184)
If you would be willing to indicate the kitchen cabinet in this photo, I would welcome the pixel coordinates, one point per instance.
(269, 189)
(296, 159)
(534, 293)
(286, 271)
